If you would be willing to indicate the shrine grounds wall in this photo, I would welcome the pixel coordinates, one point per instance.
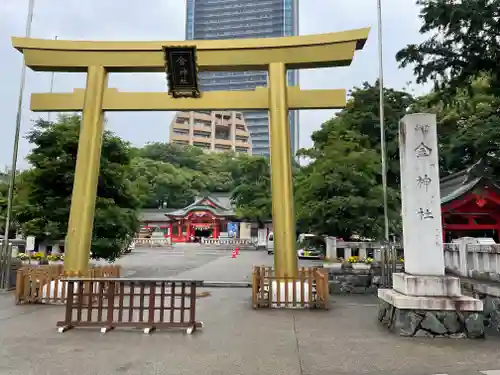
(347, 280)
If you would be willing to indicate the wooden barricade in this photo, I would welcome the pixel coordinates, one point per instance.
(148, 304)
(45, 284)
(308, 290)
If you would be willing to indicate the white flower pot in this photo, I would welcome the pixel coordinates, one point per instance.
(32, 263)
(361, 266)
(55, 262)
(334, 266)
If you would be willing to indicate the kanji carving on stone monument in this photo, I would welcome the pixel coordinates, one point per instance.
(424, 181)
(424, 129)
(422, 150)
(425, 214)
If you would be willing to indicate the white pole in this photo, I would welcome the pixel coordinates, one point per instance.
(381, 115)
(51, 86)
(385, 249)
(6, 258)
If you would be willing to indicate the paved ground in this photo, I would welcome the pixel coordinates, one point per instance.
(163, 262)
(236, 339)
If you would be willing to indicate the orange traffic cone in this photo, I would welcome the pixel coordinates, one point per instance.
(233, 255)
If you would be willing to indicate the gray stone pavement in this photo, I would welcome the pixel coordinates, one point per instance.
(235, 339)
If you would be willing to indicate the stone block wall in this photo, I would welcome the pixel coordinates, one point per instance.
(347, 280)
(420, 323)
(489, 293)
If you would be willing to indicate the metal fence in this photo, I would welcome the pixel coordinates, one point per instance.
(388, 259)
(6, 266)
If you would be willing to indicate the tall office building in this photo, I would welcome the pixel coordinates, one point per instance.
(230, 19)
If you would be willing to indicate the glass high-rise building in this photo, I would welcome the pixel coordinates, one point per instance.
(230, 19)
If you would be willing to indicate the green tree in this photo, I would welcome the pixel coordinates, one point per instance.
(158, 184)
(218, 169)
(212, 170)
(467, 126)
(44, 212)
(13, 227)
(252, 189)
(20, 194)
(339, 192)
(361, 115)
(463, 42)
(178, 155)
(461, 55)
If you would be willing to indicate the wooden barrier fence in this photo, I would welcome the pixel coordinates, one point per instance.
(148, 304)
(45, 284)
(308, 290)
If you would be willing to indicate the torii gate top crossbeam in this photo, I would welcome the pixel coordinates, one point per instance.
(297, 52)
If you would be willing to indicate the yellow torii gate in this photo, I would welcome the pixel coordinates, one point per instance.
(274, 55)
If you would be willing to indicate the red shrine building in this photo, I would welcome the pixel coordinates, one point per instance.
(470, 205)
(207, 217)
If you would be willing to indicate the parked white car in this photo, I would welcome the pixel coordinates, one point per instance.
(309, 254)
(270, 243)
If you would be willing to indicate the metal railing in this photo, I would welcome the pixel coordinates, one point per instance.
(388, 261)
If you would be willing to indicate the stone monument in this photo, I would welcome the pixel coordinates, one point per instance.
(423, 300)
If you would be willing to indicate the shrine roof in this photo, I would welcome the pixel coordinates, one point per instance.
(218, 206)
(154, 214)
(460, 183)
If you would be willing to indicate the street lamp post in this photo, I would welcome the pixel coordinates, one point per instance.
(5, 254)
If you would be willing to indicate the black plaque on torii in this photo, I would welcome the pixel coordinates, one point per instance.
(182, 71)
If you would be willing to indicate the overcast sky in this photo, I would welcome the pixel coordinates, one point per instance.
(164, 20)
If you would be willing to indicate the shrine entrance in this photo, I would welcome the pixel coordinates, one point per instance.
(203, 232)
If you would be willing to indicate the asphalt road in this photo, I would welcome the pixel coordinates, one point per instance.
(346, 340)
(170, 262)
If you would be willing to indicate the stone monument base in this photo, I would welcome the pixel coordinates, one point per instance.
(417, 316)
(428, 286)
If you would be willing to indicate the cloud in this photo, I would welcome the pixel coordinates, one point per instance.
(164, 20)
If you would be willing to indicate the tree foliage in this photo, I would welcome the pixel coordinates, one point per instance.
(467, 127)
(18, 197)
(463, 43)
(339, 192)
(161, 184)
(169, 175)
(44, 209)
(361, 115)
(251, 192)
